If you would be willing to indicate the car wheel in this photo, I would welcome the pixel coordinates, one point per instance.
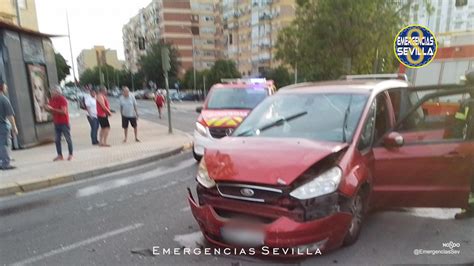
(358, 210)
(196, 156)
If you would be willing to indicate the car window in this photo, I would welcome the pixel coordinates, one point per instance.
(367, 134)
(317, 116)
(441, 118)
(236, 98)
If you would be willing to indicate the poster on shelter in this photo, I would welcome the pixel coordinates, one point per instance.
(39, 91)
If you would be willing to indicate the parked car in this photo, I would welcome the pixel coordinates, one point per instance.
(226, 105)
(149, 95)
(139, 94)
(189, 96)
(304, 167)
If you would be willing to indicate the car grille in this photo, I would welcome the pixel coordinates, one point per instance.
(249, 192)
(219, 132)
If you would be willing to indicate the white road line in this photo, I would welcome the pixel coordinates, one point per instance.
(78, 244)
(113, 184)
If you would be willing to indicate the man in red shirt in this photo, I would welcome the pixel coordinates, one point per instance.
(57, 106)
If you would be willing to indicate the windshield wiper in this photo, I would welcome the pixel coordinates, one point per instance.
(275, 123)
(346, 116)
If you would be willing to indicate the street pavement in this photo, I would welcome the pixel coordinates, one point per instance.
(183, 114)
(37, 170)
(117, 218)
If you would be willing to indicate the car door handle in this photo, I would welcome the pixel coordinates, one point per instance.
(455, 154)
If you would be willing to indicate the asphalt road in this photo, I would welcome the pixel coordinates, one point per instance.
(182, 119)
(117, 218)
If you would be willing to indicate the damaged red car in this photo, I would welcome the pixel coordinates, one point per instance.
(306, 165)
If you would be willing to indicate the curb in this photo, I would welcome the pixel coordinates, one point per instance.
(27, 186)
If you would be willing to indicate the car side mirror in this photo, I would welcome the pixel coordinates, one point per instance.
(393, 140)
(199, 109)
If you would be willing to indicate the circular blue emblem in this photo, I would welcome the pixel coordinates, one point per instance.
(415, 46)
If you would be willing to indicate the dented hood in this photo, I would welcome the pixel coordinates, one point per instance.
(223, 118)
(270, 161)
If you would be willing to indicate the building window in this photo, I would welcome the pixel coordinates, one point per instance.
(460, 3)
(21, 3)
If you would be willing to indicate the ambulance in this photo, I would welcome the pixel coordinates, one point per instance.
(225, 107)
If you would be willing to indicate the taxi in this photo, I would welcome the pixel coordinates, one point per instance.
(225, 107)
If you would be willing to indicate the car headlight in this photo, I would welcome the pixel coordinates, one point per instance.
(201, 129)
(203, 176)
(323, 184)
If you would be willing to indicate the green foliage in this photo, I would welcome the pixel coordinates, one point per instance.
(280, 76)
(330, 38)
(61, 66)
(151, 67)
(222, 69)
(112, 77)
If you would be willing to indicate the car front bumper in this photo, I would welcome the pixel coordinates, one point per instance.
(200, 143)
(283, 232)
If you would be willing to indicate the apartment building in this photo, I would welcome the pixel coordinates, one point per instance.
(98, 55)
(250, 30)
(187, 25)
(139, 33)
(27, 12)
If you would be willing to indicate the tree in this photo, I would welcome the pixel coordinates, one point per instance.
(222, 69)
(330, 38)
(280, 76)
(61, 66)
(150, 64)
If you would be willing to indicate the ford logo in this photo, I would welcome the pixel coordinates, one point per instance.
(247, 192)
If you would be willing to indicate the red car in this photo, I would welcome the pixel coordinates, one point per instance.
(304, 167)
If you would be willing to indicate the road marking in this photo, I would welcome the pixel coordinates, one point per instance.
(186, 209)
(113, 184)
(78, 244)
(192, 240)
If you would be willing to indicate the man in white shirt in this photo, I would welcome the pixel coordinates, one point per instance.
(128, 109)
(91, 108)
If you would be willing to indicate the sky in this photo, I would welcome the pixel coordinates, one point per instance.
(91, 22)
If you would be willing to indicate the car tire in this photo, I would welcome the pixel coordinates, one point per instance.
(196, 156)
(358, 209)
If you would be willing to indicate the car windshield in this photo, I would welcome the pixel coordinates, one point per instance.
(317, 116)
(236, 98)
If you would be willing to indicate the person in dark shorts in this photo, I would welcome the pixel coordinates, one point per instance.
(103, 113)
(128, 109)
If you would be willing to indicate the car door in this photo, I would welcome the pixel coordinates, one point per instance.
(435, 164)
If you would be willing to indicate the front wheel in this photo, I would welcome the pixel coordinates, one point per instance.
(358, 210)
(196, 156)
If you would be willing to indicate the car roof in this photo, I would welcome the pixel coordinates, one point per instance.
(239, 85)
(362, 86)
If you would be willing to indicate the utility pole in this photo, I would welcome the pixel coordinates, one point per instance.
(70, 47)
(204, 84)
(18, 20)
(166, 65)
(296, 73)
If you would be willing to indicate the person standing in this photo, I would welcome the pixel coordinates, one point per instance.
(58, 107)
(128, 109)
(90, 103)
(7, 124)
(160, 102)
(103, 113)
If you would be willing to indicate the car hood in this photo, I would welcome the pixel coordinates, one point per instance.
(270, 161)
(223, 118)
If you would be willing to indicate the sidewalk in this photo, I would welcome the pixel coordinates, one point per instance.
(186, 105)
(36, 168)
